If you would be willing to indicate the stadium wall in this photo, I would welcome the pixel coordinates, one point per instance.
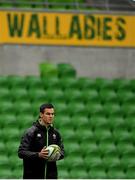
(88, 61)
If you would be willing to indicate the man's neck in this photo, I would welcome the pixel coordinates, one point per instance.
(42, 123)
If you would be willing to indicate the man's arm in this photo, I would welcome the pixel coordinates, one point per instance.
(24, 148)
(61, 145)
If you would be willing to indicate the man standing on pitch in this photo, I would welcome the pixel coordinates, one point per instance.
(32, 146)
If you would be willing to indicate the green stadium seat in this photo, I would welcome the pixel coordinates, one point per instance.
(130, 173)
(54, 95)
(75, 108)
(89, 149)
(104, 84)
(80, 83)
(5, 94)
(51, 82)
(35, 107)
(63, 166)
(86, 83)
(125, 147)
(128, 110)
(80, 1)
(35, 94)
(133, 135)
(108, 95)
(130, 122)
(121, 134)
(111, 160)
(61, 108)
(125, 96)
(33, 82)
(15, 162)
(101, 133)
(98, 121)
(73, 148)
(62, 121)
(97, 172)
(90, 95)
(67, 82)
(7, 4)
(107, 148)
(122, 84)
(70, 4)
(60, 1)
(94, 108)
(16, 82)
(19, 94)
(11, 134)
(17, 173)
(4, 82)
(77, 162)
(92, 161)
(32, 4)
(87, 135)
(115, 122)
(128, 160)
(6, 106)
(47, 69)
(22, 106)
(8, 120)
(4, 162)
(68, 134)
(132, 83)
(79, 121)
(66, 70)
(112, 109)
(1, 132)
(72, 95)
(78, 174)
(24, 120)
(6, 173)
(63, 174)
(2, 147)
(12, 147)
(116, 173)
(41, 2)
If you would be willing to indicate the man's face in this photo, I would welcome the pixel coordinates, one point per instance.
(47, 116)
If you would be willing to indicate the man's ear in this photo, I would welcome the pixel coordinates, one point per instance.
(41, 114)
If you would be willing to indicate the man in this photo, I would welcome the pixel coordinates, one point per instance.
(32, 147)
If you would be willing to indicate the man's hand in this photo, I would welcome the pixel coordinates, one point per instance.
(43, 153)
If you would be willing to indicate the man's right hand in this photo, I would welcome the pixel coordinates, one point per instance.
(43, 153)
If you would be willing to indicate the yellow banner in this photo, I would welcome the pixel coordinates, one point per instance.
(68, 29)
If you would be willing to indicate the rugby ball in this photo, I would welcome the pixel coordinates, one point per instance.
(53, 152)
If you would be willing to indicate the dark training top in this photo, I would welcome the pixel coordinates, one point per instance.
(32, 142)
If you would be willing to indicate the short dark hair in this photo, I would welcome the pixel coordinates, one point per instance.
(44, 106)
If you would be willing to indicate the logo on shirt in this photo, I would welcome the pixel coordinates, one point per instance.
(38, 135)
(54, 136)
